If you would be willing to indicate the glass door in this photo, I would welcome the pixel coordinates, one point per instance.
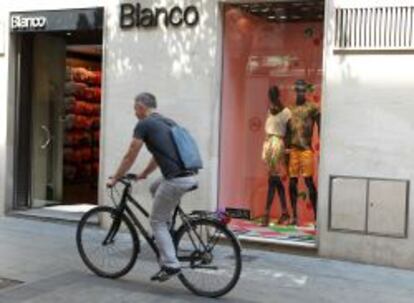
(48, 78)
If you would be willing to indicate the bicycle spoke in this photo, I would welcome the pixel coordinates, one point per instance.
(210, 248)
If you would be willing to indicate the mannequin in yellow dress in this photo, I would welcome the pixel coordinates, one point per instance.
(274, 152)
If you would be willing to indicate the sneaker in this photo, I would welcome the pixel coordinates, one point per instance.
(165, 273)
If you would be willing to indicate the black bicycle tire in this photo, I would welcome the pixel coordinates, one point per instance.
(85, 258)
(234, 242)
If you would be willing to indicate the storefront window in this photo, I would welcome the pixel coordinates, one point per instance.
(269, 139)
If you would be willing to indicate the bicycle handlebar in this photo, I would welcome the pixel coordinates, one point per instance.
(126, 180)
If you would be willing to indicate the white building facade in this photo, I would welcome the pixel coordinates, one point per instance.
(365, 167)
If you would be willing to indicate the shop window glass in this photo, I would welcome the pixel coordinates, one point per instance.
(261, 53)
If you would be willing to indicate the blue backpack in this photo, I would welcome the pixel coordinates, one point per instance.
(186, 147)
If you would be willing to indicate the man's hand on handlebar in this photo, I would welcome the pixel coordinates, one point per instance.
(140, 176)
(129, 177)
(111, 182)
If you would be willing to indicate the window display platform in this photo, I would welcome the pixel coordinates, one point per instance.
(303, 236)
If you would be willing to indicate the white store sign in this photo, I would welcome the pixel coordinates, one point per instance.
(20, 22)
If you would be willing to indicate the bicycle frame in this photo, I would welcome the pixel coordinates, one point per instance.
(123, 207)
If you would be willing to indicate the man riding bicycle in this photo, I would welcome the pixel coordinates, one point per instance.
(154, 130)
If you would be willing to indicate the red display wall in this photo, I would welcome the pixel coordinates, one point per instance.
(258, 54)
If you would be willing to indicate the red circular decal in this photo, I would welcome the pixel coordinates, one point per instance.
(255, 124)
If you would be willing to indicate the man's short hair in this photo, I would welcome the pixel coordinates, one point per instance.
(146, 99)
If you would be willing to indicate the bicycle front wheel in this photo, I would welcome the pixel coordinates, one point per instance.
(107, 242)
(210, 256)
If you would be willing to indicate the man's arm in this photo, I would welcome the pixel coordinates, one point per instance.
(152, 165)
(129, 159)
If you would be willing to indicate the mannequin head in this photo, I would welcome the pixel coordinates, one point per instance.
(274, 98)
(300, 89)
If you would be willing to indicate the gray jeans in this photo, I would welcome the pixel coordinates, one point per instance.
(167, 195)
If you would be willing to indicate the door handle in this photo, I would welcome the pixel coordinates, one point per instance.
(48, 137)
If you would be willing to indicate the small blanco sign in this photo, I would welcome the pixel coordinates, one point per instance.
(21, 22)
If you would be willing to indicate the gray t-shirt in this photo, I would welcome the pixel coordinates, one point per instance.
(156, 134)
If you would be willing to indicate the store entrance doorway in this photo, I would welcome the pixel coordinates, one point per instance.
(58, 119)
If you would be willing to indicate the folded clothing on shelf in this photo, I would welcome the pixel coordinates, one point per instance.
(77, 155)
(73, 106)
(92, 94)
(82, 124)
(77, 138)
(76, 89)
(73, 121)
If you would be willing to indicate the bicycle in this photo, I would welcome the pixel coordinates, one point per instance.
(201, 240)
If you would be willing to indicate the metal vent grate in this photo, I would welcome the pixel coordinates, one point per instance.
(377, 28)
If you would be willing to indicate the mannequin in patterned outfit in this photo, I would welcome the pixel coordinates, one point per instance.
(304, 115)
(274, 152)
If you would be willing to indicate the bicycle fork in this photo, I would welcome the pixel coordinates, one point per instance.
(113, 230)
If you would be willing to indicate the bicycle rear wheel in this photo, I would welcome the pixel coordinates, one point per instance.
(107, 242)
(212, 269)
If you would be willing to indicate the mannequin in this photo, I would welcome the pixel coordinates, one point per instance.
(274, 152)
(300, 131)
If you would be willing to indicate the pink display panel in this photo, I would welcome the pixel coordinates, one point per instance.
(259, 53)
